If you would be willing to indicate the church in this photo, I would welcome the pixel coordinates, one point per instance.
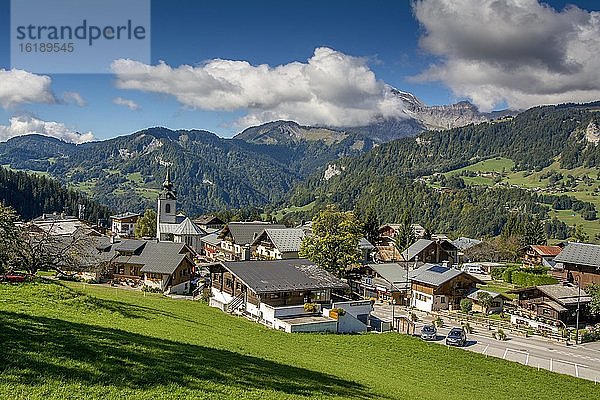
(174, 227)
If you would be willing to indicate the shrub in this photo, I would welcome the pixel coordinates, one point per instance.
(413, 317)
(499, 334)
(467, 327)
(310, 307)
(496, 273)
(339, 311)
(439, 322)
(525, 279)
(466, 305)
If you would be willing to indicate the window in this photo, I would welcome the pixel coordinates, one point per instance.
(168, 208)
(229, 283)
(442, 300)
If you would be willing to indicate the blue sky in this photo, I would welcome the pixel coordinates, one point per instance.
(383, 34)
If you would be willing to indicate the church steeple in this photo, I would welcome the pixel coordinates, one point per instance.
(167, 184)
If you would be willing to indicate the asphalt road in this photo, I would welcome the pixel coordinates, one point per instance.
(582, 361)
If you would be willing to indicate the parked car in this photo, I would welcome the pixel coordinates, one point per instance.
(456, 337)
(472, 269)
(429, 332)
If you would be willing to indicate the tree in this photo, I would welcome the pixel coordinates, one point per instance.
(593, 290)
(485, 300)
(405, 236)
(535, 233)
(466, 305)
(580, 235)
(371, 226)
(333, 244)
(9, 236)
(146, 225)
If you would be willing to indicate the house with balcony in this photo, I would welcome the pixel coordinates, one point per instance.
(384, 282)
(431, 251)
(165, 266)
(536, 255)
(237, 237)
(436, 287)
(277, 243)
(550, 306)
(123, 225)
(292, 295)
(580, 263)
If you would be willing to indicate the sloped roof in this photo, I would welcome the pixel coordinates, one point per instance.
(187, 227)
(284, 239)
(580, 253)
(564, 294)
(124, 215)
(465, 243)
(244, 233)
(473, 295)
(211, 239)
(153, 256)
(283, 275)
(546, 250)
(416, 248)
(364, 244)
(393, 273)
(437, 275)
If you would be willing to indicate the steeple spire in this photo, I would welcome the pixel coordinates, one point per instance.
(167, 184)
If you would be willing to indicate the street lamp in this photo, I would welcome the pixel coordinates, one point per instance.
(577, 318)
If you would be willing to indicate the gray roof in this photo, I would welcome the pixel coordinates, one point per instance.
(187, 227)
(208, 220)
(283, 275)
(244, 233)
(465, 243)
(473, 295)
(211, 239)
(130, 246)
(127, 214)
(284, 239)
(364, 244)
(564, 294)
(416, 248)
(435, 275)
(580, 253)
(392, 273)
(153, 256)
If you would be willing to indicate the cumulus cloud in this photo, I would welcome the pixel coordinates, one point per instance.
(132, 105)
(27, 125)
(74, 98)
(521, 52)
(18, 87)
(331, 88)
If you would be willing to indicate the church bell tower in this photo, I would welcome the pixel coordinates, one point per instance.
(167, 204)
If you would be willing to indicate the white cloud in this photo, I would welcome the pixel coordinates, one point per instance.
(75, 98)
(27, 125)
(331, 88)
(521, 52)
(18, 87)
(132, 105)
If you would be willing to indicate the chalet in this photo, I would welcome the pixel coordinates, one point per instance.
(165, 266)
(210, 246)
(551, 303)
(382, 282)
(276, 293)
(59, 225)
(436, 287)
(236, 238)
(208, 222)
(497, 304)
(277, 243)
(464, 246)
(388, 232)
(581, 262)
(535, 255)
(123, 225)
(430, 251)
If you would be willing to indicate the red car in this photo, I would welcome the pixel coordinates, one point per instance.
(13, 278)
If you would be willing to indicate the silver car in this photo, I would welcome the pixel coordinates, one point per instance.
(429, 332)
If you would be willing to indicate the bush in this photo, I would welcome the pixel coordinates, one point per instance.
(499, 334)
(413, 317)
(339, 311)
(310, 307)
(496, 273)
(466, 305)
(467, 327)
(525, 279)
(439, 322)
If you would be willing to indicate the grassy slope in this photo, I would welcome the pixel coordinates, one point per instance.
(582, 191)
(81, 341)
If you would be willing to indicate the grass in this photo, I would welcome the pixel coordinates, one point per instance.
(280, 214)
(72, 340)
(499, 287)
(488, 171)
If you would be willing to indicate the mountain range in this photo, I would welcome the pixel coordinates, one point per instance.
(257, 166)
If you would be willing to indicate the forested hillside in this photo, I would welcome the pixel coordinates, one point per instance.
(390, 179)
(31, 195)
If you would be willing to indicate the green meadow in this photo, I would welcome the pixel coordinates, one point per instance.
(78, 341)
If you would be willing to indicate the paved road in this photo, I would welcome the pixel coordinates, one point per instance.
(582, 360)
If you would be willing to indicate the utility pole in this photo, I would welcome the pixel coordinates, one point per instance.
(577, 318)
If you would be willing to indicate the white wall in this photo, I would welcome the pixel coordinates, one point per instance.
(420, 304)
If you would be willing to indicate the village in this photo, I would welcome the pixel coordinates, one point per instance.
(253, 269)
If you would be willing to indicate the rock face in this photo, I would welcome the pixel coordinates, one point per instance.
(418, 118)
(592, 133)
